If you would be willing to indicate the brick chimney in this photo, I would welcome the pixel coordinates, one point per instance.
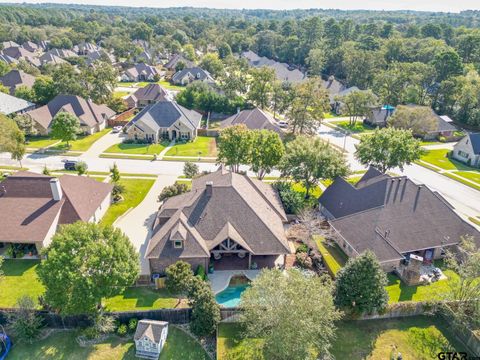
(56, 189)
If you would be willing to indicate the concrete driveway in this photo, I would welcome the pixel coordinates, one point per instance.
(137, 223)
(103, 144)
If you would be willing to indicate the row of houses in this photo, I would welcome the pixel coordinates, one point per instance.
(41, 54)
(235, 222)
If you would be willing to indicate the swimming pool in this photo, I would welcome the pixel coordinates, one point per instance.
(230, 297)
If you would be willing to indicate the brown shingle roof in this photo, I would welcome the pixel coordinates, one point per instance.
(89, 113)
(16, 78)
(392, 216)
(29, 210)
(247, 209)
(253, 119)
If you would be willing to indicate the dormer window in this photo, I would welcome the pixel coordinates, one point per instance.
(178, 244)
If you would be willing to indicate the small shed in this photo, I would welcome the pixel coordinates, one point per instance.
(150, 338)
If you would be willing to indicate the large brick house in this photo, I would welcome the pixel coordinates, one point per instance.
(227, 219)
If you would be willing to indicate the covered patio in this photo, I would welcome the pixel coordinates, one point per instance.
(231, 261)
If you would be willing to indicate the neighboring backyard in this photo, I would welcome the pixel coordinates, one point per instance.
(137, 149)
(62, 345)
(135, 192)
(335, 259)
(20, 278)
(202, 146)
(419, 338)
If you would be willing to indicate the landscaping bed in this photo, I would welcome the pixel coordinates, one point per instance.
(333, 257)
(202, 146)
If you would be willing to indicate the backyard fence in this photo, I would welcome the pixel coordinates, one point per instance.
(121, 119)
(462, 333)
(207, 132)
(54, 320)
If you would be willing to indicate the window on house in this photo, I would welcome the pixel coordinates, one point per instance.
(463, 154)
(177, 244)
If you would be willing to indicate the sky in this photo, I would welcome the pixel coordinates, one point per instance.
(422, 5)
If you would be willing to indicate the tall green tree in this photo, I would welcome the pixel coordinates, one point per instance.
(260, 86)
(266, 152)
(44, 89)
(85, 263)
(212, 64)
(388, 148)
(357, 104)
(360, 285)
(65, 127)
(12, 139)
(234, 147)
(293, 314)
(205, 310)
(309, 159)
(419, 119)
(309, 104)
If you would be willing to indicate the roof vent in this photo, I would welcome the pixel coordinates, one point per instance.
(56, 189)
(209, 188)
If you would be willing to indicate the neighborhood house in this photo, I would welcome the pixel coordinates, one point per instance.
(34, 205)
(227, 220)
(393, 217)
(12, 105)
(467, 150)
(147, 95)
(164, 120)
(254, 119)
(189, 75)
(92, 117)
(141, 72)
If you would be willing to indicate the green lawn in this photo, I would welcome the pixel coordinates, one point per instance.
(141, 298)
(439, 158)
(398, 291)
(120, 94)
(314, 192)
(358, 127)
(470, 175)
(82, 143)
(165, 84)
(186, 182)
(333, 257)
(202, 146)
(137, 149)
(39, 142)
(62, 345)
(461, 180)
(135, 192)
(20, 278)
(418, 338)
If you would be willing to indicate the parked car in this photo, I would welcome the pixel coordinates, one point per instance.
(117, 129)
(70, 164)
(283, 124)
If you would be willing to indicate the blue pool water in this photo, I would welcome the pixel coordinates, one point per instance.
(230, 297)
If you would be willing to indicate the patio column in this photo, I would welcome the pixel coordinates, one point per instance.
(249, 261)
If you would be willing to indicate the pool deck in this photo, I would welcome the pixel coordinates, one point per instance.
(220, 279)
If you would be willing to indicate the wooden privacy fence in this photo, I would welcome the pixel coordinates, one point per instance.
(173, 316)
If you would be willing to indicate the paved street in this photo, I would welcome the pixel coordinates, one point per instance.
(466, 200)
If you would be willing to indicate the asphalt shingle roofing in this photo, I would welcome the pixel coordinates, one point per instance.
(392, 215)
(246, 210)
